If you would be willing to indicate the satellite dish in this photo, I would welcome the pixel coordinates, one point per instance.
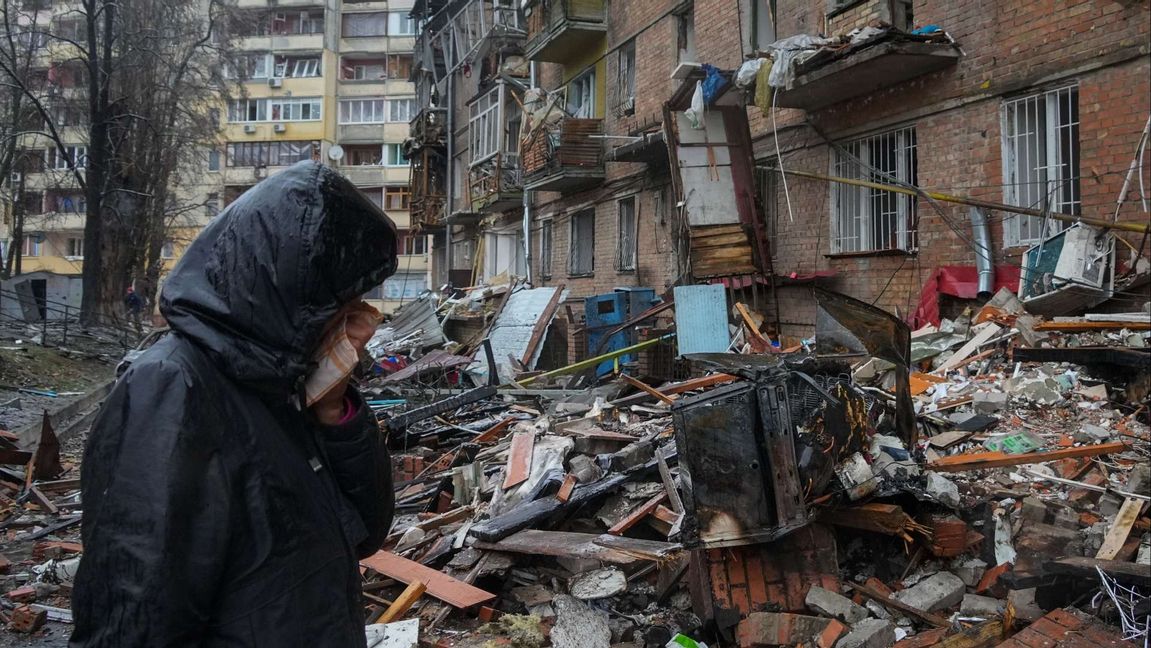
(336, 152)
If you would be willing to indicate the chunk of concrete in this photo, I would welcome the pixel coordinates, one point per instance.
(828, 603)
(940, 591)
(1026, 609)
(598, 584)
(943, 490)
(989, 402)
(980, 606)
(579, 626)
(631, 456)
(869, 633)
(970, 571)
(1033, 509)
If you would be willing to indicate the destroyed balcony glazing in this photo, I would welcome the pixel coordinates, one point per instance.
(494, 179)
(565, 157)
(559, 30)
(868, 63)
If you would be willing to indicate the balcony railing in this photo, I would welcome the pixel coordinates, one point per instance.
(429, 128)
(496, 184)
(467, 35)
(559, 30)
(564, 158)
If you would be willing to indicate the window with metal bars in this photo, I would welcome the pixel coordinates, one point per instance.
(581, 249)
(547, 244)
(864, 219)
(1040, 161)
(625, 242)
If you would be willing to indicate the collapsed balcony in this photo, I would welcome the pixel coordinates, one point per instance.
(428, 184)
(832, 75)
(495, 184)
(567, 157)
(559, 30)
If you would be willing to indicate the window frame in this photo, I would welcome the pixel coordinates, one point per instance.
(854, 217)
(625, 77)
(70, 250)
(547, 246)
(404, 193)
(379, 109)
(1050, 145)
(484, 116)
(575, 239)
(582, 83)
(354, 17)
(627, 256)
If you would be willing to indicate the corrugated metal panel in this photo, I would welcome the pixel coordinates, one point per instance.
(701, 319)
(416, 317)
(513, 330)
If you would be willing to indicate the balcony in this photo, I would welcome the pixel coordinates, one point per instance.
(887, 60)
(393, 132)
(281, 44)
(567, 158)
(374, 176)
(561, 30)
(429, 128)
(496, 184)
(428, 183)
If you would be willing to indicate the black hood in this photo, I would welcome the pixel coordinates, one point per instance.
(260, 282)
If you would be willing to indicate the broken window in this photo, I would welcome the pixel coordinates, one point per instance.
(581, 95)
(364, 70)
(581, 250)
(686, 36)
(399, 66)
(365, 24)
(625, 242)
(286, 23)
(625, 89)
(397, 198)
(547, 244)
(1040, 161)
(483, 126)
(762, 25)
(873, 220)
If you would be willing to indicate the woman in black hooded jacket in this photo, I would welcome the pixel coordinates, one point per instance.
(218, 510)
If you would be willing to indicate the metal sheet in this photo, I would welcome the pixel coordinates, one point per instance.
(436, 359)
(701, 319)
(416, 318)
(513, 330)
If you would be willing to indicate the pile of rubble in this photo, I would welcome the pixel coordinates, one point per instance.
(960, 485)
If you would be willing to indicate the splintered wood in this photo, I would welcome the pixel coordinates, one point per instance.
(439, 584)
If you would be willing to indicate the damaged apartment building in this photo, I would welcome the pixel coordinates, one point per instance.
(904, 152)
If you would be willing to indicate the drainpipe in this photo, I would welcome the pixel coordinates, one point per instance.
(449, 182)
(527, 194)
(981, 234)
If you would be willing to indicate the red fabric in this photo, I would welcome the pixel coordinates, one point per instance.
(957, 281)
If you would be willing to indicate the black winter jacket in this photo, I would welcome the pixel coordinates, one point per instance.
(217, 512)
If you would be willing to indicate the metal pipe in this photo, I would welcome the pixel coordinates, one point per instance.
(1141, 228)
(449, 182)
(981, 234)
(527, 194)
(591, 362)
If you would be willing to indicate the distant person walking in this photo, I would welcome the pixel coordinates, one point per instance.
(135, 305)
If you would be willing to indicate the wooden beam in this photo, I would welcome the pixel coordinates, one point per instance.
(492, 434)
(558, 543)
(635, 516)
(899, 606)
(647, 389)
(541, 327)
(519, 459)
(982, 460)
(987, 633)
(403, 602)
(1120, 529)
(989, 331)
(440, 585)
(759, 344)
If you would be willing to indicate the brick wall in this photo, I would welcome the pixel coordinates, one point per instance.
(1012, 49)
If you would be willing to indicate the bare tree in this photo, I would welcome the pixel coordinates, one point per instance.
(151, 74)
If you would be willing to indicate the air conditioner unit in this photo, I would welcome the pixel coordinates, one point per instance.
(1071, 270)
(275, 82)
(15, 177)
(280, 128)
(249, 128)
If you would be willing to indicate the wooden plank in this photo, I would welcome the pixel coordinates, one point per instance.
(541, 326)
(445, 588)
(977, 636)
(1125, 572)
(639, 549)
(647, 389)
(989, 331)
(1073, 327)
(1120, 529)
(493, 434)
(635, 516)
(565, 491)
(981, 460)
(673, 497)
(519, 459)
(403, 602)
(759, 344)
(892, 604)
(558, 543)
